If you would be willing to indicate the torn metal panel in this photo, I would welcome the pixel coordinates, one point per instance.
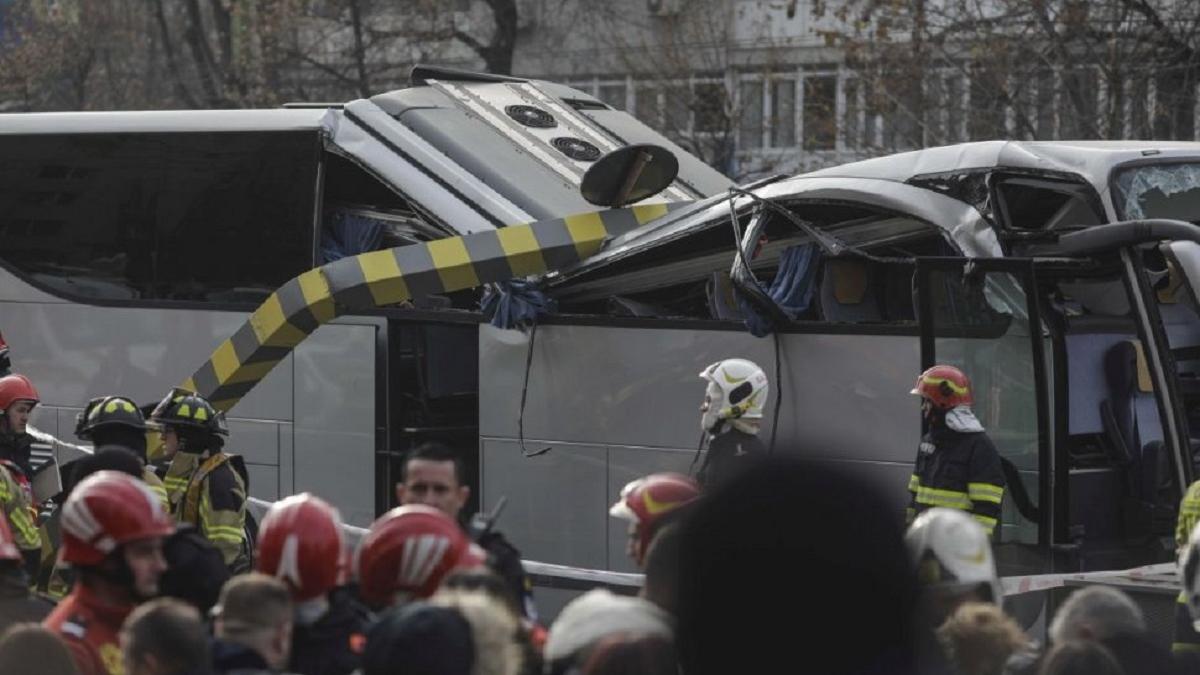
(961, 222)
(1092, 161)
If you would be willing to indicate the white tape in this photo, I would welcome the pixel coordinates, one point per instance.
(1043, 582)
(1011, 585)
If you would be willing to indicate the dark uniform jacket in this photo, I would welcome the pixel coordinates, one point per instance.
(960, 471)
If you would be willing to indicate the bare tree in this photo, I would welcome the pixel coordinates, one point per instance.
(946, 70)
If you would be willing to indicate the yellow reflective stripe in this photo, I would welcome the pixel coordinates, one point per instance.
(913, 483)
(1181, 598)
(1191, 509)
(910, 514)
(985, 492)
(948, 498)
(28, 537)
(989, 524)
(1182, 647)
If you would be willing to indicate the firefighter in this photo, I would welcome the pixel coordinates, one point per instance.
(957, 466)
(649, 503)
(113, 530)
(116, 421)
(407, 553)
(17, 604)
(206, 487)
(433, 475)
(300, 541)
(1187, 639)
(17, 400)
(730, 417)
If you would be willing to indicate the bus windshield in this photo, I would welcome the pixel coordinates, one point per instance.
(1159, 191)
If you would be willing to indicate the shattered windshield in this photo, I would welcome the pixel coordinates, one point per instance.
(1159, 191)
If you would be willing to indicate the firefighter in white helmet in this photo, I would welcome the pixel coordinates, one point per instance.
(952, 555)
(731, 417)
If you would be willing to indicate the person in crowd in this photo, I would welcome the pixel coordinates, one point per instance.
(731, 417)
(593, 616)
(253, 626)
(648, 503)
(494, 631)
(23, 645)
(206, 486)
(433, 475)
(531, 638)
(420, 638)
(661, 584)
(957, 465)
(113, 528)
(54, 576)
(1080, 657)
(407, 553)
(951, 553)
(1108, 616)
(978, 639)
(17, 604)
(625, 655)
(300, 542)
(18, 398)
(165, 637)
(1187, 638)
(117, 422)
(790, 535)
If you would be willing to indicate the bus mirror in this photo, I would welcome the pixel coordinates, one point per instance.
(630, 174)
(1184, 259)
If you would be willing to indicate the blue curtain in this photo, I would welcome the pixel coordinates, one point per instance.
(792, 288)
(515, 303)
(346, 234)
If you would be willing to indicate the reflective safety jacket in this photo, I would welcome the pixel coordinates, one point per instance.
(959, 471)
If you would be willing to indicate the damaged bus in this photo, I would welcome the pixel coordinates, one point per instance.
(137, 245)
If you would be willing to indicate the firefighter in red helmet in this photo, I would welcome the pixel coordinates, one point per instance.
(300, 542)
(957, 466)
(18, 398)
(650, 502)
(407, 553)
(113, 529)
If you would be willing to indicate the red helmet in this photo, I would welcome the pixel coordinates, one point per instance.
(945, 386)
(409, 550)
(8, 545)
(15, 388)
(648, 500)
(300, 541)
(106, 510)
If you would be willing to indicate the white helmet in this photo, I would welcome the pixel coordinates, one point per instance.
(1189, 576)
(951, 550)
(737, 389)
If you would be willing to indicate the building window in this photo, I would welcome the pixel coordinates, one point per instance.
(677, 103)
(613, 93)
(783, 113)
(646, 105)
(820, 112)
(851, 120)
(750, 114)
(708, 108)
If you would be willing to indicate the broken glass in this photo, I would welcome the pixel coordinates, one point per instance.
(1159, 191)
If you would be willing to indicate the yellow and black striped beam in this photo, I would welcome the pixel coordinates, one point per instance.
(389, 276)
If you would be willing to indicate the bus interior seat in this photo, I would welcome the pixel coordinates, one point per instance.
(1134, 430)
(848, 291)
